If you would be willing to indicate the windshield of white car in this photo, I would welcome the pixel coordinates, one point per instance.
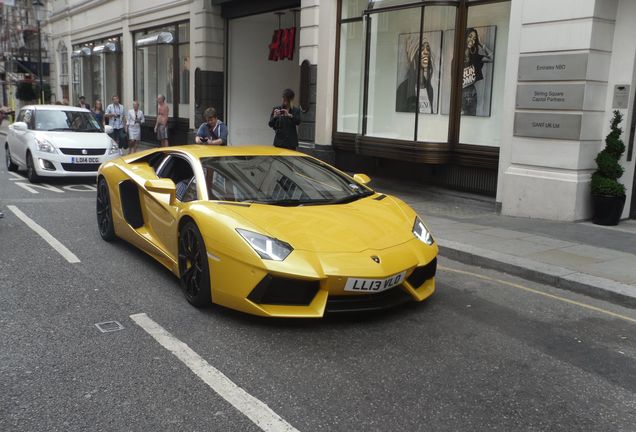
(278, 180)
(69, 121)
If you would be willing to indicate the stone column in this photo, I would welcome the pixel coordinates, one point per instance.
(563, 55)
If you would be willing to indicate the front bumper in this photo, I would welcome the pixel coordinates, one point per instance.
(308, 285)
(64, 165)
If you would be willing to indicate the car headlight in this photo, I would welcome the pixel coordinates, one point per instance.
(44, 145)
(266, 247)
(421, 232)
(114, 148)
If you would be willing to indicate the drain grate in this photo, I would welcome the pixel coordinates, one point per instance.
(109, 326)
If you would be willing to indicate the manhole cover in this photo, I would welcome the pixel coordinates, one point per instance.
(109, 326)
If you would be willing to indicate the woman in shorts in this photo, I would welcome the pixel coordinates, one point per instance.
(133, 127)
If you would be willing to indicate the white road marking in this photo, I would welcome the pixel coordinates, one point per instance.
(254, 409)
(30, 187)
(16, 176)
(55, 244)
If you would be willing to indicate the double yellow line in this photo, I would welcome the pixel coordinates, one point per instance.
(541, 293)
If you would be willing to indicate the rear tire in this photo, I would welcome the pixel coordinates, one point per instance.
(194, 273)
(104, 212)
(32, 175)
(10, 165)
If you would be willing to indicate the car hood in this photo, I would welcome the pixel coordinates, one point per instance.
(364, 224)
(76, 139)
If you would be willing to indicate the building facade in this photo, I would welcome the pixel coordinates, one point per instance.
(506, 98)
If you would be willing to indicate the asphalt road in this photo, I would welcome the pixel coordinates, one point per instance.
(486, 352)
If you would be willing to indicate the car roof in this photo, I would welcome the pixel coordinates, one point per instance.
(202, 151)
(54, 108)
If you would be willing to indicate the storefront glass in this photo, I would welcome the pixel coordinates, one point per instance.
(435, 72)
(350, 76)
(97, 72)
(484, 69)
(157, 73)
(406, 51)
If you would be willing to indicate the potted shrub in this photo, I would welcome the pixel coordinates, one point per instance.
(608, 195)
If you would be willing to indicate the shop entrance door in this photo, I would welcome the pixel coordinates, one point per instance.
(254, 82)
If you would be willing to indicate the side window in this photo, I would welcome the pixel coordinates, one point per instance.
(190, 192)
(20, 116)
(28, 118)
(155, 161)
(180, 171)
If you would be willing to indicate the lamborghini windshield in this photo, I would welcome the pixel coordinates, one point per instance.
(59, 120)
(278, 180)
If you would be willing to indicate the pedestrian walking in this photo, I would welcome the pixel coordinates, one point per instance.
(115, 114)
(284, 119)
(98, 112)
(213, 131)
(82, 103)
(161, 126)
(133, 126)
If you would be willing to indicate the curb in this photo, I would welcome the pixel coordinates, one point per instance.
(559, 277)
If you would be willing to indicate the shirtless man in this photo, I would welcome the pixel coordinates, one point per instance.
(161, 126)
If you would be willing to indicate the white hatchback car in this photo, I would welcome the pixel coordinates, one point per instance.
(58, 141)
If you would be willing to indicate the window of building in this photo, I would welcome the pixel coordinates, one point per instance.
(162, 67)
(398, 79)
(97, 70)
(63, 68)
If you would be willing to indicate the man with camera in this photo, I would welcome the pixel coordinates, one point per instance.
(213, 131)
(116, 119)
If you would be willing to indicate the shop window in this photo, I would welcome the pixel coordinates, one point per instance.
(401, 61)
(389, 94)
(350, 73)
(435, 64)
(97, 71)
(353, 8)
(162, 66)
(484, 60)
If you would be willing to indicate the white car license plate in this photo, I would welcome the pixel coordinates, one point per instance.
(84, 159)
(374, 285)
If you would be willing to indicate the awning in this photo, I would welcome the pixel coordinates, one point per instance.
(82, 52)
(109, 47)
(155, 39)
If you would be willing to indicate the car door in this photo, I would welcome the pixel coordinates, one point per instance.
(163, 213)
(17, 139)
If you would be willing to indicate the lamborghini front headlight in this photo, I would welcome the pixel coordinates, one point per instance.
(266, 247)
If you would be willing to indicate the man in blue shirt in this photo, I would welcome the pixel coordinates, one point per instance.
(213, 131)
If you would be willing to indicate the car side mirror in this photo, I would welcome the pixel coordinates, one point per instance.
(362, 178)
(20, 126)
(163, 186)
(108, 129)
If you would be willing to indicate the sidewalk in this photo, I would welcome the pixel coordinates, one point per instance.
(582, 257)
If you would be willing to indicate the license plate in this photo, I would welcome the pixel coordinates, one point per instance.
(374, 285)
(84, 160)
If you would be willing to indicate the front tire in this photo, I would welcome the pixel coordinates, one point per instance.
(104, 211)
(194, 273)
(10, 165)
(32, 175)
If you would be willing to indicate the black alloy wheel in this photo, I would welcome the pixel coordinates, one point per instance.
(104, 212)
(194, 273)
(31, 174)
(10, 165)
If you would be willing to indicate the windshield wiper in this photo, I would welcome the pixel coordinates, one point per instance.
(89, 130)
(60, 129)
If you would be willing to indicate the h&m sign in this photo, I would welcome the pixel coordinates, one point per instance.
(282, 46)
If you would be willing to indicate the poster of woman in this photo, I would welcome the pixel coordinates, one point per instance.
(477, 76)
(428, 66)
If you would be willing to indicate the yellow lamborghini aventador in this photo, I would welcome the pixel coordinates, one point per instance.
(267, 231)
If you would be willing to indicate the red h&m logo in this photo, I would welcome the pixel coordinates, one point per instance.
(282, 46)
